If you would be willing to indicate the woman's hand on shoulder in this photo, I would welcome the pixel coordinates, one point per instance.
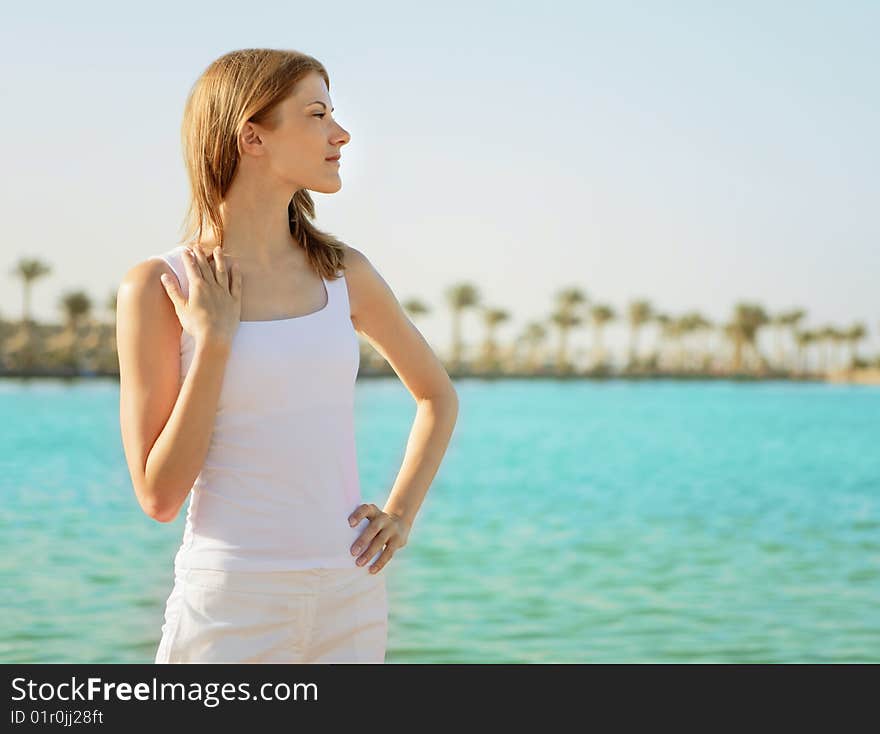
(212, 312)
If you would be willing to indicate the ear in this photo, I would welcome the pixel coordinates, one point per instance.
(250, 139)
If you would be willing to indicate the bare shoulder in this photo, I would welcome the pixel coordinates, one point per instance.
(355, 261)
(377, 315)
(141, 291)
(146, 270)
(365, 284)
(142, 278)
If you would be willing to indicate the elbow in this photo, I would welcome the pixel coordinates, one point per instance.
(446, 392)
(159, 514)
(164, 517)
(156, 510)
(447, 399)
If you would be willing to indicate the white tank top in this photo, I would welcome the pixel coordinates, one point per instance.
(280, 478)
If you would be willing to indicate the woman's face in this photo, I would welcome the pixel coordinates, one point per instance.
(297, 150)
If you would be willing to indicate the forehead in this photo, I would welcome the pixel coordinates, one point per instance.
(310, 88)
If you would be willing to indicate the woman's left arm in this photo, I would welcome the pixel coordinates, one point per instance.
(377, 315)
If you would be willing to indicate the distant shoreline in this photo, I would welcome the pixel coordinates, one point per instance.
(869, 376)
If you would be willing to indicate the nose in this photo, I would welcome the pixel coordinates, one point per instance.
(342, 136)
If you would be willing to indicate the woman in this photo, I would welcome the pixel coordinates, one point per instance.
(238, 354)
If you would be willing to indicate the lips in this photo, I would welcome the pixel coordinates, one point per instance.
(333, 158)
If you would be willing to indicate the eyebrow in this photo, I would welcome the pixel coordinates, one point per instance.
(318, 101)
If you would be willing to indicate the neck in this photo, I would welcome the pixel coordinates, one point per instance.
(256, 227)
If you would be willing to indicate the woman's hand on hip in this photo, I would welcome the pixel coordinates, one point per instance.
(386, 530)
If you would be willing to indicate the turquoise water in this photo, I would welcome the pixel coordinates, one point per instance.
(570, 522)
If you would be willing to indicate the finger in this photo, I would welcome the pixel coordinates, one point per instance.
(200, 261)
(191, 264)
(359, 514)
(171, 288)
(220, 268)
(384, 558)
(377, 545)
(364, 539)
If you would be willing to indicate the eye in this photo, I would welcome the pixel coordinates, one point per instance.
(320, 114)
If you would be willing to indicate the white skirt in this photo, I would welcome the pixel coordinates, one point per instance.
(316, 615)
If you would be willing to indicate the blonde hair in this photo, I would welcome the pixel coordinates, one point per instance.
(241, 86)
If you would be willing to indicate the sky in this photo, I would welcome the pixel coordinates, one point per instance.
(694, 154)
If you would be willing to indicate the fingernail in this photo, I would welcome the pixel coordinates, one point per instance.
(356, 550)
(351, 521)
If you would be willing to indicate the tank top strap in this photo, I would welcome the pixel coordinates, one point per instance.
(174, 258)
(337, 288)
(337, 292)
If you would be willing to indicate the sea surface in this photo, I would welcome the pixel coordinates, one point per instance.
(570, 522)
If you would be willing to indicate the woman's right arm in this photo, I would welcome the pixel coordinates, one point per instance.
(166, 431)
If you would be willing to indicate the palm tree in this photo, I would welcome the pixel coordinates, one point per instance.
(748, 318)
(824, 337)
(691, 323)
(853, 336)
(533, 336)
(814, 340)
(684, 326)
(671, 331)
(777, 322)
(676, 328)
(838, 338)
(564, 320)
(802, 339)
(790, 320)
(491, 318)
(76, 306)
(567, 301)
(110, 304)
(638, 313)
(105, 357)
(415, 308)
(29, 270)
(663, 322)
(704, 327)
(459, 297)
(600, 314)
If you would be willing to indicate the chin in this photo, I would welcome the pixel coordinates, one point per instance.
(326, 188)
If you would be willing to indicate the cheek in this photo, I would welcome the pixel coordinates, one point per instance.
(304, 150)
(308, 148)
(291, 157)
